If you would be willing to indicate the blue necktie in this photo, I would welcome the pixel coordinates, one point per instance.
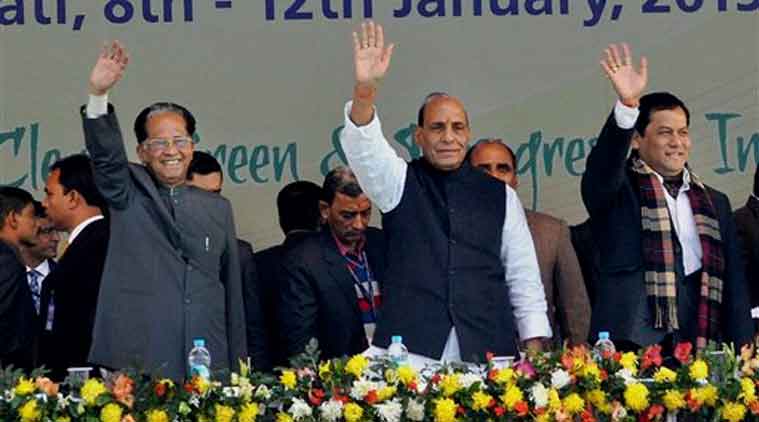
(34, 286)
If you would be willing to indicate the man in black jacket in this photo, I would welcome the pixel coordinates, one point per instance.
(298, 209)
(670, 267)
(70, 293)
(18, 318)
(331, 279)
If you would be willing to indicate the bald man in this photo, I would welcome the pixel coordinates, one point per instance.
(568, 303)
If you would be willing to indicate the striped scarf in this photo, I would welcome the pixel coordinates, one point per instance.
(659, 258)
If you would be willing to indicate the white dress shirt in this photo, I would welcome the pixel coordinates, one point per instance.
(78, 229)
(382, 175)
(680, 211)
(43, 269)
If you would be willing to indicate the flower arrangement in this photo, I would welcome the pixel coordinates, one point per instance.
(573, 384)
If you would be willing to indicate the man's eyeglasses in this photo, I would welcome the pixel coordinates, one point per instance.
(161, 145)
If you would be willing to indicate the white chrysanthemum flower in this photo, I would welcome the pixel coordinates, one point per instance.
(627, 376)
(539, 395)
(390, 411)
(231, 392)
(331, 411)
(415, 410)
(299, 409)
(361, 388)
(468, 379)
(263, 392)
(560, 378)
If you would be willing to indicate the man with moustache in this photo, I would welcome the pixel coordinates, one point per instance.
(462, 278)
(670, 265)
(18, 315)
(568, 305)
(172, 272)
(331, 280)
(70, 293)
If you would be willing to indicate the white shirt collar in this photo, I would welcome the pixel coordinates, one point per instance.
(78, 229)
(43, 268)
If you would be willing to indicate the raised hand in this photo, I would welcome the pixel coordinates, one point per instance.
(109, 68)
(628, 82)
(371, 58)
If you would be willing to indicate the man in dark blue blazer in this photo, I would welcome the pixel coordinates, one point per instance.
(664, 237)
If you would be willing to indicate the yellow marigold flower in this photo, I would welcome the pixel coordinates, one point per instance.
(665, 374)
(91, 390)
(353, 412)
(157, 415)
(201, 384)
(748, 390)
(356, 365)
(733, 412)
(596, 397)
(554, 402)
(111, 412)
(698, 370)
(29, 411)
(449, 384)
(224, 413)
(24, 386)
(248, 412)
(504, 376)
(406, 374)
(573, 404)
(629, 361)
(284, 417)
(512, 396)
(673, 400)
(325, 369)
(545, 417)
(481, 400)
(709, 395)
(288, 379)
(591, 371)
(445, 410)
(636, 397)
(386, 392)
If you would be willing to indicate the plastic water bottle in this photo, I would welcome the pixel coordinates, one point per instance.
(397, 352)
(604, 346)
(199, 359)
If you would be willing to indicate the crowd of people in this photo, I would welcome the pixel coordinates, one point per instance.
(152, 260)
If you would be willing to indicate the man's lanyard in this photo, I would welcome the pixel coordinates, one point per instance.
(363, 263)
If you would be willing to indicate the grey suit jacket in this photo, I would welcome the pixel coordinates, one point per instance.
(168, 277)
(568, 303)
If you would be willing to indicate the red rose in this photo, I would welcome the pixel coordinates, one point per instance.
(492, 403)
(617, 356)
(460, 410)
(492, 374)
(435, 379)
(604, 375)
(160, 389)
(412, 386)
(521, 408)
(499, 411)
(652, 357)
(587, 416)
(371, 397)
(682, 352)
(315, 396)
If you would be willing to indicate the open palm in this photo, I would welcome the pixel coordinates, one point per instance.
(370, 56)
(628, 82)
(109, 68)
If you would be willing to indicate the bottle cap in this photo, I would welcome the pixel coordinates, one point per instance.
(397, 339)
(199, 342)
(603, 335)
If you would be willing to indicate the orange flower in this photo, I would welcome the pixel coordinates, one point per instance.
(682, 352)
(122, 390)
(521, 408)
(499, 411)
(754, 407)
(371, 397)
(47, 386)
(652, 357)
(160, 389)
(587, 416)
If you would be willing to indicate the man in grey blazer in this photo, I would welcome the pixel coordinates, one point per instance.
(172, 272)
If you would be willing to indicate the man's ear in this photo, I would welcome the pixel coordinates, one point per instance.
(324, 210)
(141, 153)
(636, 140)
(418, 136)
